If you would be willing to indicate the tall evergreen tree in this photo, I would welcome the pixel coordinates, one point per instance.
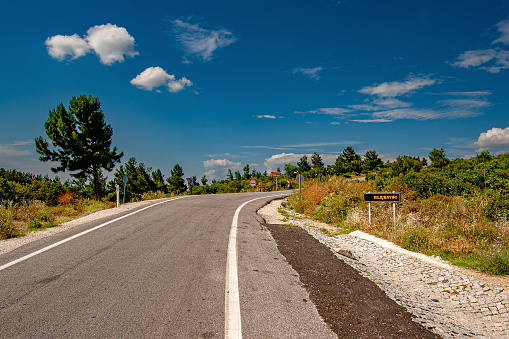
(175, 181)
(204, 180)
(372, 160)
(246, 175)
(229, 176)
(82, 140)
(303, 164)
(438, 158)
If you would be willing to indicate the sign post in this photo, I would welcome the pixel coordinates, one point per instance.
(190, 182)
(252, 183)
(300, 180)
(124, 180)
(288, 184)
(382, 197)
(117, 190)
(275, 174)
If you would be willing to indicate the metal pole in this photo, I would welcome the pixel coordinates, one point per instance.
(124, 193)
(394, 209)
(117, 190)
(369, 210)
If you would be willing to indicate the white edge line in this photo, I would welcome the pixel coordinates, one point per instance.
(233, 326)
(79, 235)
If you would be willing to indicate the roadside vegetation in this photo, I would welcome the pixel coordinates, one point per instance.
(456, 209)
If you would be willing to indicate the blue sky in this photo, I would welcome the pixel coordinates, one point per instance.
(213, 85)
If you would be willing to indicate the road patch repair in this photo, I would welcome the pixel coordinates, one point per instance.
(378, 289)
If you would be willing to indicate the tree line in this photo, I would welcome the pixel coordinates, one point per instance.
(80, 142)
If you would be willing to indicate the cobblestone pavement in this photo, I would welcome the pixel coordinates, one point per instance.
(450, 303)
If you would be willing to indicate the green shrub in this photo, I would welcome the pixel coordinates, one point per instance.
(7, 229)
(414, 239)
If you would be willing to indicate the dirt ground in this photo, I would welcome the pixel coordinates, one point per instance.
(352, 305)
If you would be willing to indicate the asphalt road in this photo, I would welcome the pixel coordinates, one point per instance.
(163, 272)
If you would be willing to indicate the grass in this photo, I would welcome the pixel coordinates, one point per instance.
(454, 228)
(18, 219)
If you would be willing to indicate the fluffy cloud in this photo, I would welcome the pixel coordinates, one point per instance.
(200, 42)
(279, 160)
(492, 60)
(178, 85)
(396, 88)
(154, 77)
(494, 138)
(221, 163)
(266, 117)
(62, 46)
(309, 72)
(110, 42)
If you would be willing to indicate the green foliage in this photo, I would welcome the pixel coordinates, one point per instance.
(291, 171)
(303, 164)
(81, 138)
(372, 161)
(414, 239)
(438, 158)
(176, 183)
(7, 229)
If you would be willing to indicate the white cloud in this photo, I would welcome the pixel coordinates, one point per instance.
(200, 42)
(154, 77)
(327, 111)
(471, 94)
(279, 160)
(221, 163)
(366, 121)
(178, 85)
(494, 138)
(396, 88)
(335, 123)
(9, 150)
(110, 42)
(266, 117)
(492, 60)
(381, 104)
(62, 46)
(425, 114)
(475, 58)
(465, 103)
(503, 28)
(309, 72)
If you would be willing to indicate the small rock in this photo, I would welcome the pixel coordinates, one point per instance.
(344, 252)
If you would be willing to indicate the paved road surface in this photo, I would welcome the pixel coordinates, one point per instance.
(160, 272)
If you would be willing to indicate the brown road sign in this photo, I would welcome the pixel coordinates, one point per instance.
(382, 196)
(275, 174)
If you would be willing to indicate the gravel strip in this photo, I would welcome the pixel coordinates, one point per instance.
(453, 304)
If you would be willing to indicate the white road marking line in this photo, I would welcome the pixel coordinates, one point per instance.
(79, 235)
(233, 326)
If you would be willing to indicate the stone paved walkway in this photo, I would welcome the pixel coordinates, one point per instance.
(450, 303)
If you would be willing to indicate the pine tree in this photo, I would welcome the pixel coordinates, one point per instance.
(175, 181)
(82, 140)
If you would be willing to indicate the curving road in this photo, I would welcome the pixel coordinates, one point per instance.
(192, 267)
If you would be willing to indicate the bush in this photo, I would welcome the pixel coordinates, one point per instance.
(7, 229)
